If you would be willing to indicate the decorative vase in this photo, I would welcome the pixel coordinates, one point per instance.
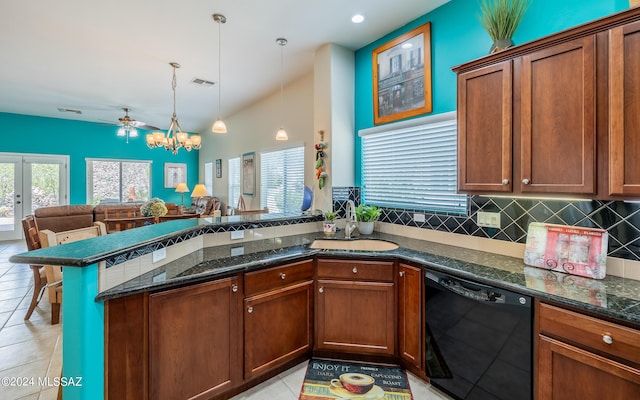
(329, 228)
(501, 44)
(365, 228)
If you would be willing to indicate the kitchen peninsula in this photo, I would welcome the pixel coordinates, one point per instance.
(210, 259)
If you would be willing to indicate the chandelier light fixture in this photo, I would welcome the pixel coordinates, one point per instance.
(281, 134)
(175, 138)
(219, 126)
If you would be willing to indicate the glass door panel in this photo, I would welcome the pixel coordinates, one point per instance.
(10, 198)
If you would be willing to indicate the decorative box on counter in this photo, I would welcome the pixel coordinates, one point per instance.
(570, 249)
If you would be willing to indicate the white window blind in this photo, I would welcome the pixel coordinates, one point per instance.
(118, 180)
(413, 166)
(282, 180)
(234, 181)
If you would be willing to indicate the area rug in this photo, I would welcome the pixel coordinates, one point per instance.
(330, 379)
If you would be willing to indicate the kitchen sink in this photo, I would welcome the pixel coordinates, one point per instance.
(361, 244)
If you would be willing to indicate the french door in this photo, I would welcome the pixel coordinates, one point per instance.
(27, 182)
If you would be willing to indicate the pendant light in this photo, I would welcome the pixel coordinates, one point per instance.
(219, 126)
(281, 134)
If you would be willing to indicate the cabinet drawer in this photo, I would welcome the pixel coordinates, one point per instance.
(273, 278)
(590, 332)
(356, 270)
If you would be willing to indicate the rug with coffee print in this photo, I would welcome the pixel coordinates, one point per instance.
(330, 379)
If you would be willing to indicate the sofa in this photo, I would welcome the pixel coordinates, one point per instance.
(64, 218)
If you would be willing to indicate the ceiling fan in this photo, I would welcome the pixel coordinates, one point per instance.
(128, 126)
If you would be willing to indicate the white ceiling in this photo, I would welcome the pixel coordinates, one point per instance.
(99, 56)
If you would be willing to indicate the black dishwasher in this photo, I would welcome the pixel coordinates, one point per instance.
(478, 339)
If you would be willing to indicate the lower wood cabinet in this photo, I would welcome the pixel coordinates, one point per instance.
(410, 289)
(278, 327)
(581, 357)
(356, 311)
(195, 340)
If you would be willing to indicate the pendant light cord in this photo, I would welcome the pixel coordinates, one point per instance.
(281, 85)
(173, 87)
(219, 68)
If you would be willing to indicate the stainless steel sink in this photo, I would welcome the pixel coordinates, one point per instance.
(362, 245)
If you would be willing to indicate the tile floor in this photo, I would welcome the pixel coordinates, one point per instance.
(33, 348)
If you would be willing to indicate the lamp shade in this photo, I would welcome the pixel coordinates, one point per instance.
(199, 191)
(182, 188)
(219, 127)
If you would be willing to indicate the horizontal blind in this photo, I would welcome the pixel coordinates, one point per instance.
(282, 180)
(234, 181)
(413, 167)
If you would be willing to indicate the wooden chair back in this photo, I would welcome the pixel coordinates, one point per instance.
(121, 212)
(124, 223)
(170, 217)
(54, 272)
(30, 229)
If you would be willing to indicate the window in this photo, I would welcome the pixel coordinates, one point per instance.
(234, 181)
(118, 181)
(208, 176)
(282, 180)
(412, 164)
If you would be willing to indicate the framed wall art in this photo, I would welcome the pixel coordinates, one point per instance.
(248, 174)
(219, 168)
(174, 173)
(402, 76)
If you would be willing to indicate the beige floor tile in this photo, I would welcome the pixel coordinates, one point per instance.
(4, 317)
(49, 394)
(27, 332)
(34, 396)
(9, 304)
(14, 355)
(294, 377)
(14, 293)
(24, 282)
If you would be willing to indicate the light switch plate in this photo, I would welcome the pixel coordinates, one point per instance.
(418, 217)
(159, 255)
(237, 251)
(488, 219)
(237, 235)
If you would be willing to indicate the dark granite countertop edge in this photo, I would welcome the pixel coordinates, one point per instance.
(508, 279)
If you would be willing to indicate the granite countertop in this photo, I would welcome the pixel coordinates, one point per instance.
(613, 297)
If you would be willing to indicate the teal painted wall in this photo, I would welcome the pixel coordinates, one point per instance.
(80, 140)
(457, 37)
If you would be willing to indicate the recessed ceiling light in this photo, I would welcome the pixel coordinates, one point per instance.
(358, 18)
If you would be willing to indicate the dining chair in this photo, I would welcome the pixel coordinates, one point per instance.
(54, 272)
(30, 229)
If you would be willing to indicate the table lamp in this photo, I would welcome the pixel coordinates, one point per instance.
(199, 191)
(182, 188)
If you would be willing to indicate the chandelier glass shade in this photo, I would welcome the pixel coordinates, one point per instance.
(174, 139)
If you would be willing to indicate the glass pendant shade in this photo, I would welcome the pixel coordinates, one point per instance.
(282, 134)
(219, 127)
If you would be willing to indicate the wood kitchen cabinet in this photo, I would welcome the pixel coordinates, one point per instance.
(624, 118)
(195, 340)
(355, 306)
(581, 357)
(557, 115)
(410, 290)
(278, 316)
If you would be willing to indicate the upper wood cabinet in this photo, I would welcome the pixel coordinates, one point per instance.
(555, 116)
(624, 110)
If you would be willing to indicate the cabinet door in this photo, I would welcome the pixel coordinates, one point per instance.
(485, 129)
(194, 340)
(557, 150)
(357, 317)
(565, 372)
(278, 327)
(624, 118)
(410, 314)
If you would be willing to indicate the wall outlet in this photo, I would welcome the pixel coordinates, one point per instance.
(418, 217)
(159, 255)
(488, 219)
(235, 235)
(237, 251)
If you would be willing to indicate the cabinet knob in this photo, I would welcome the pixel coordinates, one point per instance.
(234, 288)
(321, 289)
(525, 181)
(607, 338)
(401, 274)
(249, 309)
(505, 181)
(283, 276)
(355, 270)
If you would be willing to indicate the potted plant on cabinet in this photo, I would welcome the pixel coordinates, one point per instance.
(501, 19)
(329, 224)
(366, 216)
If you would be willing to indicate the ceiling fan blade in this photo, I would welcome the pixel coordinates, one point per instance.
(147, 127)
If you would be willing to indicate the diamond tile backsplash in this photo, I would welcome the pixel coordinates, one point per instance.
(620, 218)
